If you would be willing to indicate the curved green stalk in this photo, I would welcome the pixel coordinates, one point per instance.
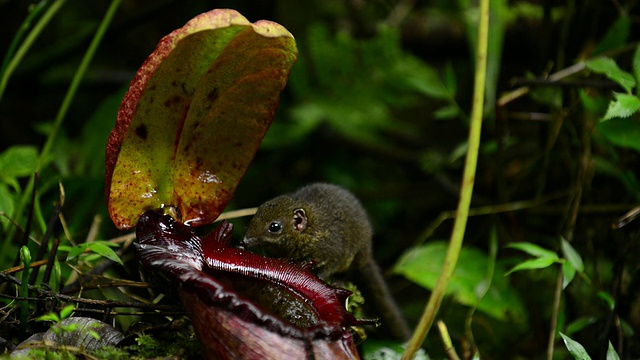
(466, 190)
(62, 112)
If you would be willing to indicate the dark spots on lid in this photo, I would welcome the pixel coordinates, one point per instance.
(173, 101)
(212, 96)
(142, 131)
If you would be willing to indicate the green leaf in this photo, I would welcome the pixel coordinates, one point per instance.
(617, 35)
(627, 177)
(104, 250)
(447, 112)
(609, 68)
(537, 263)
(580, 324)
(577, 351)
(635, 66)
(572, 255)
(450, 82)
(611, 353)
(424, 79)
(595, 103)
(624, 132)
(7, 204)
(532, 249)
(49, 317)
(74, 251)
(623, 106)
(18, 161)
(608, 299)
(69, 327)
(66, 311)
(568, 273)
(194, 116)
(422, 265)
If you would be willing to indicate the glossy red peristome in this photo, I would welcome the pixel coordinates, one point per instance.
(215, 281)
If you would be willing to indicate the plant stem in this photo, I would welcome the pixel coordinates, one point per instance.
(25, 256)
(446, 341)
(466, 191)
(64, 107)
(554, 316)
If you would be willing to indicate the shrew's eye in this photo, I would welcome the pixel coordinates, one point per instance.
(275, 227)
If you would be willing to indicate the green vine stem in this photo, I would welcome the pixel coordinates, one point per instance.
(466, 190)
(64, 107)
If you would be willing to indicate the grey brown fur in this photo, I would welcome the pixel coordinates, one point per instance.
(326, 224)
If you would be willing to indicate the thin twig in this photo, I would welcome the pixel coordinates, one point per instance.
(486, 210)
(233, 214)
(236, 214)
(44, 243)
(34, 264)
(521, 91)
(554, 319)
(93, 231)
(626, 218)
(51, 261)
(45, 295)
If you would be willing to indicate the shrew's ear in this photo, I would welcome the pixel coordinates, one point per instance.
(299, 220)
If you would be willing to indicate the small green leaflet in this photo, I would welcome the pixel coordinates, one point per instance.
(608, 67)
(537, 263)
(532, 249)
(577, 351)
(623, 106)
(101, 248)
(572, 255)
(104, 250)
(543, 257)
(636, 66)
(18, 161)
(572, 265)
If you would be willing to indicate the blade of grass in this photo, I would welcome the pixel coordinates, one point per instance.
(64, 107)
(12, 61)
(466, 191)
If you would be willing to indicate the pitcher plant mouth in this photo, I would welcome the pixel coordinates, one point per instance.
(243, 304)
